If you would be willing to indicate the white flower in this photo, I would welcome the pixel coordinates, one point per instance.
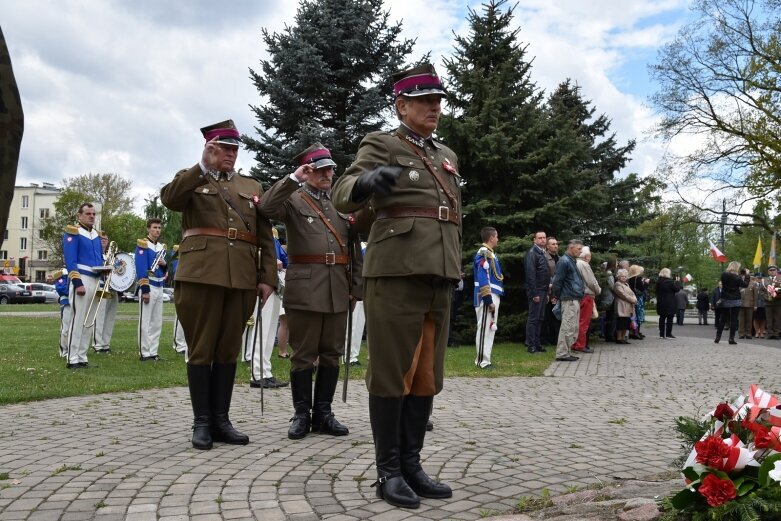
(775, 474)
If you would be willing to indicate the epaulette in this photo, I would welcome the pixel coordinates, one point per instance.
(101, 233)
(71, 229)
(142, 243)
(248, 174)
(176, 247)
(485, 252)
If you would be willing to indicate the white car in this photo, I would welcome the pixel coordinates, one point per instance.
(47, 290)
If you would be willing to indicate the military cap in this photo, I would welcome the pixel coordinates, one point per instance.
(418, 81)
(771, 267)
(316, 155)
(225, 132)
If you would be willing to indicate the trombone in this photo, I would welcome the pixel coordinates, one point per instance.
(101, 290)
(158, 258)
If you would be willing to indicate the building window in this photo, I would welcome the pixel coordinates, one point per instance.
(43, 255)
(5, 235)
(24, 223)
(40, 276)
(40, 234)
(23, 243)
(44, 213)
(3, 254)
(25, 201)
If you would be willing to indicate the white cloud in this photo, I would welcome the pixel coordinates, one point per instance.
(124, 86)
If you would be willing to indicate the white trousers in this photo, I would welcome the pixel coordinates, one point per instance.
(104, 322)
(78, 335)
(264, 345)
(488, 332)
(180, 344)
(66, 318)
(359, 324)
(150, 322)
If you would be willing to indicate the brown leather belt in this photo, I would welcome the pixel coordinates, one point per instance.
(443, 213)
(326, 258)
(231, 233)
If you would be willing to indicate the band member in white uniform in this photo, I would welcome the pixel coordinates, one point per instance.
(107, 313)
(151, 270)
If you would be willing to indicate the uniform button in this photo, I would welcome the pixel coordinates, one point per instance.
(412, 162)
(231, 218)
(230, 244)
(391, 230)
(225, 187)
(435, 168)
(431, 157)
(444, 202)
(441, 190)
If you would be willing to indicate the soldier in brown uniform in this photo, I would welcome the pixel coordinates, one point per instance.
(413, 260)
(226, 258)
(317, 285)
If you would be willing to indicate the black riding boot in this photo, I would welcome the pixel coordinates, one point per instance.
(414, 416)
(301, 386)
(323, 420)
(223, 377)
(198, 379)
(385, 417)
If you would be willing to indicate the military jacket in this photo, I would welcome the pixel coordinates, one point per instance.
(82, 251)
(407, 245)
(221, 261)
(318, 287)
(146, 253)
(487, 274)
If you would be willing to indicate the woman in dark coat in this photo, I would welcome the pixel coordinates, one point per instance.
(666, 305)
(731, 282)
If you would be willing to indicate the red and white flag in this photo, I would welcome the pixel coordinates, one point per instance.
(717, 255)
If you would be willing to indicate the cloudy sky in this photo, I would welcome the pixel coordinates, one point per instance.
(123, 87)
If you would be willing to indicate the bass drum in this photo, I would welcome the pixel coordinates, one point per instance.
(124, 274)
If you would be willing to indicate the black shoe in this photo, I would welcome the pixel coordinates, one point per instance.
(329, 425)
(199, 382)
(104, 351)
(718, 338)
(85, 365)
(532, 351)
(586, 350)
(732, 341)
(670, 336)
(355, 364)
(542, 350)
(567, 358)
(74, 366)
(429, 425)
(426, 487)
(489, 367)
(273, 383)
(395, 491)
(299, 426)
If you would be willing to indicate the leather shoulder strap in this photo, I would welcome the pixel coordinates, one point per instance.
(430, 168)
(325, 220)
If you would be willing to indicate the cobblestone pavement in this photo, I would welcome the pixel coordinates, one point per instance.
(128, 456)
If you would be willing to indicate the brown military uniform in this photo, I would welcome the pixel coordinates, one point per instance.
(217, 276)
(411, 260)
(317, 287)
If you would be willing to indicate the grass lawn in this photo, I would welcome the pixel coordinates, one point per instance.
(31, 369)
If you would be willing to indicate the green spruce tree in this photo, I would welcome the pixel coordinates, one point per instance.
(327, 80)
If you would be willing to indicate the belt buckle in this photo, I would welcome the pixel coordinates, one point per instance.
(232, 233)
(330, 259)
(444, 213)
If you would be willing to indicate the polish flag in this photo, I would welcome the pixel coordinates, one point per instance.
(717, 255)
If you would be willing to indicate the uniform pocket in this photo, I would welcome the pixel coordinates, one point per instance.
(387, 228)
(194, 243)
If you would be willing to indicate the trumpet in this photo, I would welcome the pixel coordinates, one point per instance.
(158, 258)
(101, 289)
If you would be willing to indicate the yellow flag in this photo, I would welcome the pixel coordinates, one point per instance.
(758, 255)
(771, 260)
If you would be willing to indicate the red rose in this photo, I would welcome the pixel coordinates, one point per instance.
(255, 200)
(723, 412)
(711, 452)
(717, 491)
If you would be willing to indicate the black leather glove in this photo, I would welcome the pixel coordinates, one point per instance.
(381, 181)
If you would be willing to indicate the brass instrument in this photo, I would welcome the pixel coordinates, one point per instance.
(102, 288)
(158, 258)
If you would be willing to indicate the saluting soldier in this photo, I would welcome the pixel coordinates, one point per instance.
(413, 260)
(226, 259)
(317, 286)
(83, 252)
(151, 268)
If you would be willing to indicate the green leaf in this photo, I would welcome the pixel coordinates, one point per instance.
(684, 499)
(691, 474)
(767, 466)
(745, 487)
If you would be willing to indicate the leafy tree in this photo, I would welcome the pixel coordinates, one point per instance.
(720, 80)
(171, 221)
(125, 229)
(327, 80)
(528, 164)
(65, 209)
(111, 191)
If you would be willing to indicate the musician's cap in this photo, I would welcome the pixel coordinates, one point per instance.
(771, 267)
(225, 132)
(418, 81)
(316, 155)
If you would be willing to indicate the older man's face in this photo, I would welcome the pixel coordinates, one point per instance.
(321, 178)
(575, 250)
(553, 246)
(225, 156)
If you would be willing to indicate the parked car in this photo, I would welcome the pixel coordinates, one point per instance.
(168, 294)
(13, 294)
(39, 289)
(128, 296)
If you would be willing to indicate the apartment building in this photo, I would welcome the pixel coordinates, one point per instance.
(23, 252)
